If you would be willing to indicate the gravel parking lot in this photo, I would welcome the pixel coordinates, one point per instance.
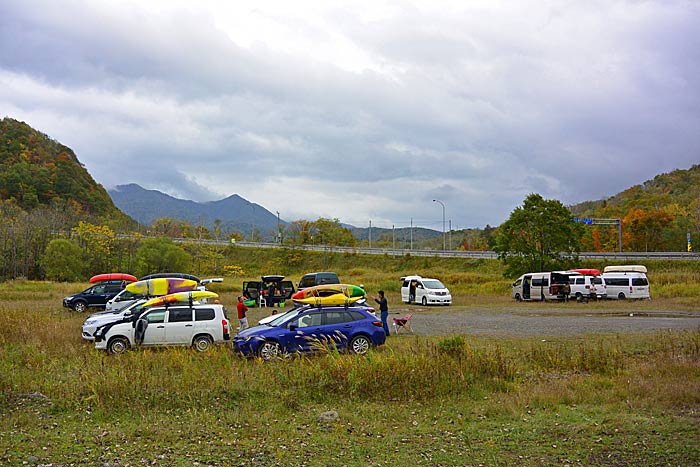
(542, 320)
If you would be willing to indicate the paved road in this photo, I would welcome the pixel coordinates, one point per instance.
(542, 321)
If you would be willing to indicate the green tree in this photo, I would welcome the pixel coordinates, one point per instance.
(63, 261)
(538, 236)
(160, 254)
(331, 232)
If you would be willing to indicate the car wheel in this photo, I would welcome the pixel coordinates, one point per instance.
(360, 345)
(80, 307)
(118, 345)
(269, 350)
(518, 298)
(424, 301)
(621, 296)
(202, 343)
(579, 296)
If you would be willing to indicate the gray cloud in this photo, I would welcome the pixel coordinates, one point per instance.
(365, 111)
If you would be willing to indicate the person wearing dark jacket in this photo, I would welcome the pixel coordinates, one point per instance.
(384, 310)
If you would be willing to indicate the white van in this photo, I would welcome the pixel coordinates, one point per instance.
(624, 282)
(423, 290)
(541, 286)
(587, 286)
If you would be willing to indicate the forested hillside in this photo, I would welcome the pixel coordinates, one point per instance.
(46, 194)
(35, 171)
(656, 215)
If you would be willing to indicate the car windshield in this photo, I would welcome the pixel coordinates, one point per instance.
(433, 284)
(284, 316)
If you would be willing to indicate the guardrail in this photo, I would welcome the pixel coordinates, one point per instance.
(668, 255)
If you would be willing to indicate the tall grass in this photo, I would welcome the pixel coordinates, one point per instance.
(41, 351)
(458, 399)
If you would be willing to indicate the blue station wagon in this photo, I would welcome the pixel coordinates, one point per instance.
(309, 328)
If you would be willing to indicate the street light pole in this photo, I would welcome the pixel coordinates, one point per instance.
(444, 246)
(279, 232)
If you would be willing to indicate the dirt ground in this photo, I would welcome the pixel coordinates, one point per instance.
(542, 320)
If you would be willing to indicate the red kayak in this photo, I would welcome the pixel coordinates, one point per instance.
(113, 276)
(587, 272)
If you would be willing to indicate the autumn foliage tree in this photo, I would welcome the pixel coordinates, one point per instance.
(642, 230)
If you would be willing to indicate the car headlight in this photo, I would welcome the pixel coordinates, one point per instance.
(90, 322)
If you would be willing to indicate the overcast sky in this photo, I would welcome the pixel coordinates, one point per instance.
(362, 110)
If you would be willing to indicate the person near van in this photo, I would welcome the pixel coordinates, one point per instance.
(242, 310)
(384, 310)
(566, 291)
(271, 295)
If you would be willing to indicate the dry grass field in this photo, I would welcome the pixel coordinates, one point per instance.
(590, 399)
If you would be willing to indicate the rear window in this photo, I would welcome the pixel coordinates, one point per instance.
(203, 314)
(179, 315)
(597, 280)
(327, 278)
(639, 281)
(337, 317)
(357, 316)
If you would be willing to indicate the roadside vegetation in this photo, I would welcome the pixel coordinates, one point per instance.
(602, 400)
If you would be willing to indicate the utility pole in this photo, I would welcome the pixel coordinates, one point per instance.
(370, 233)
(411, 233)
(444, 246)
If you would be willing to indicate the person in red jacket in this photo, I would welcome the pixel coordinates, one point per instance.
(242, 310)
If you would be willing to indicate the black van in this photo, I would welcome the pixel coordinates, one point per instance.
(318, 278)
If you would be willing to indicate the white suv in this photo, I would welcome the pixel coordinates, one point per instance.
(199, 326)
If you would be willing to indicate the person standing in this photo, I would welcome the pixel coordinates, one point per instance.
(384, 310)
(242, 310)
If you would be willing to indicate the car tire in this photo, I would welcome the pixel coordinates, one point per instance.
(269, 350)
(360, 345)
(518, 298)
(80, 306)
(621, 296)
(202, 343)
(424, 301)
(118, 345)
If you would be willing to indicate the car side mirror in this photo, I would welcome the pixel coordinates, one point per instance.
(293, 327)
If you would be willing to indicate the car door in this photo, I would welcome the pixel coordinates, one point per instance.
(155, 327)
(337, 327)
(97, 295)
(179, 327)
(303, 332)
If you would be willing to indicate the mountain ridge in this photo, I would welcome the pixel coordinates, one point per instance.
(235, 212)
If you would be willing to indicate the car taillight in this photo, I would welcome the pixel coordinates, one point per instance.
(224, 325)
(378, 324)
(588, 286)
